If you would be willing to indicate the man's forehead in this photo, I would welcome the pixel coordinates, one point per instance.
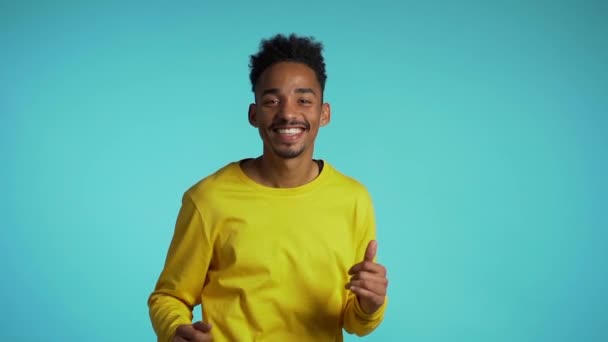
(288, 77)
(300, 90)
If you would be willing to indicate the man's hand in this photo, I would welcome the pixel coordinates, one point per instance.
(368, 281)
(196, 332)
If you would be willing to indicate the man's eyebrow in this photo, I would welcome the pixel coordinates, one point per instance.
(270, 91)
(305, 90)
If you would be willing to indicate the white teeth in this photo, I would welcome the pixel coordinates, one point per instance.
(289, 130)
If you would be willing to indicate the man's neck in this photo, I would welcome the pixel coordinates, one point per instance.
(283, 173)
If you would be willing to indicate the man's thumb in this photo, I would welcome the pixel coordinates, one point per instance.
(370, 251)
(202, 326)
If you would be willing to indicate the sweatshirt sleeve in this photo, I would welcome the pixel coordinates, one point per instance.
(179, 286)
(356, 321)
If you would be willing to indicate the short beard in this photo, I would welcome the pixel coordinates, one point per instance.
(289, 153)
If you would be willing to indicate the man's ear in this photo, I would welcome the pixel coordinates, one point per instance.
(325, 114)
(252, 115)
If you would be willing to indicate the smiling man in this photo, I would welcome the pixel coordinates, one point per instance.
(280, 247)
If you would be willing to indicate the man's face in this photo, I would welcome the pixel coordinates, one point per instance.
(289, 109)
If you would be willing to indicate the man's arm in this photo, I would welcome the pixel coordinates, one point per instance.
(180, 284)
(356, 321)
(368, 282)
(367, 298)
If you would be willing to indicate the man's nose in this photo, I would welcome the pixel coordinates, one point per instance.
(287, 109)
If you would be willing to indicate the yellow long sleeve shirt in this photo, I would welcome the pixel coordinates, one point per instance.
(267, 264)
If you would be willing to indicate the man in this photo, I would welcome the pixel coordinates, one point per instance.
(280, 247)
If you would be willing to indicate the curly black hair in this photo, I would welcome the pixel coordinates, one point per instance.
(294, 48)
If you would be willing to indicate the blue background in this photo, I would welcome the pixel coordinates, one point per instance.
(480, 130)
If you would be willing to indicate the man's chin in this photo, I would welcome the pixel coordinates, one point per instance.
(288, 153)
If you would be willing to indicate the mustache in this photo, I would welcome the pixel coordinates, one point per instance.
(283, 122)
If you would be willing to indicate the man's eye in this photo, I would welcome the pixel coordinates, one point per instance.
(305, 101)
(271, 102)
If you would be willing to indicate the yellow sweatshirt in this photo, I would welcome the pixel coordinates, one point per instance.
(267, 264)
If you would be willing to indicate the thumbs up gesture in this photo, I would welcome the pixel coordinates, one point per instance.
(368, 280)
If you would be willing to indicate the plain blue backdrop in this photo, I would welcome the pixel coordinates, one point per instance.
(480, 129)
